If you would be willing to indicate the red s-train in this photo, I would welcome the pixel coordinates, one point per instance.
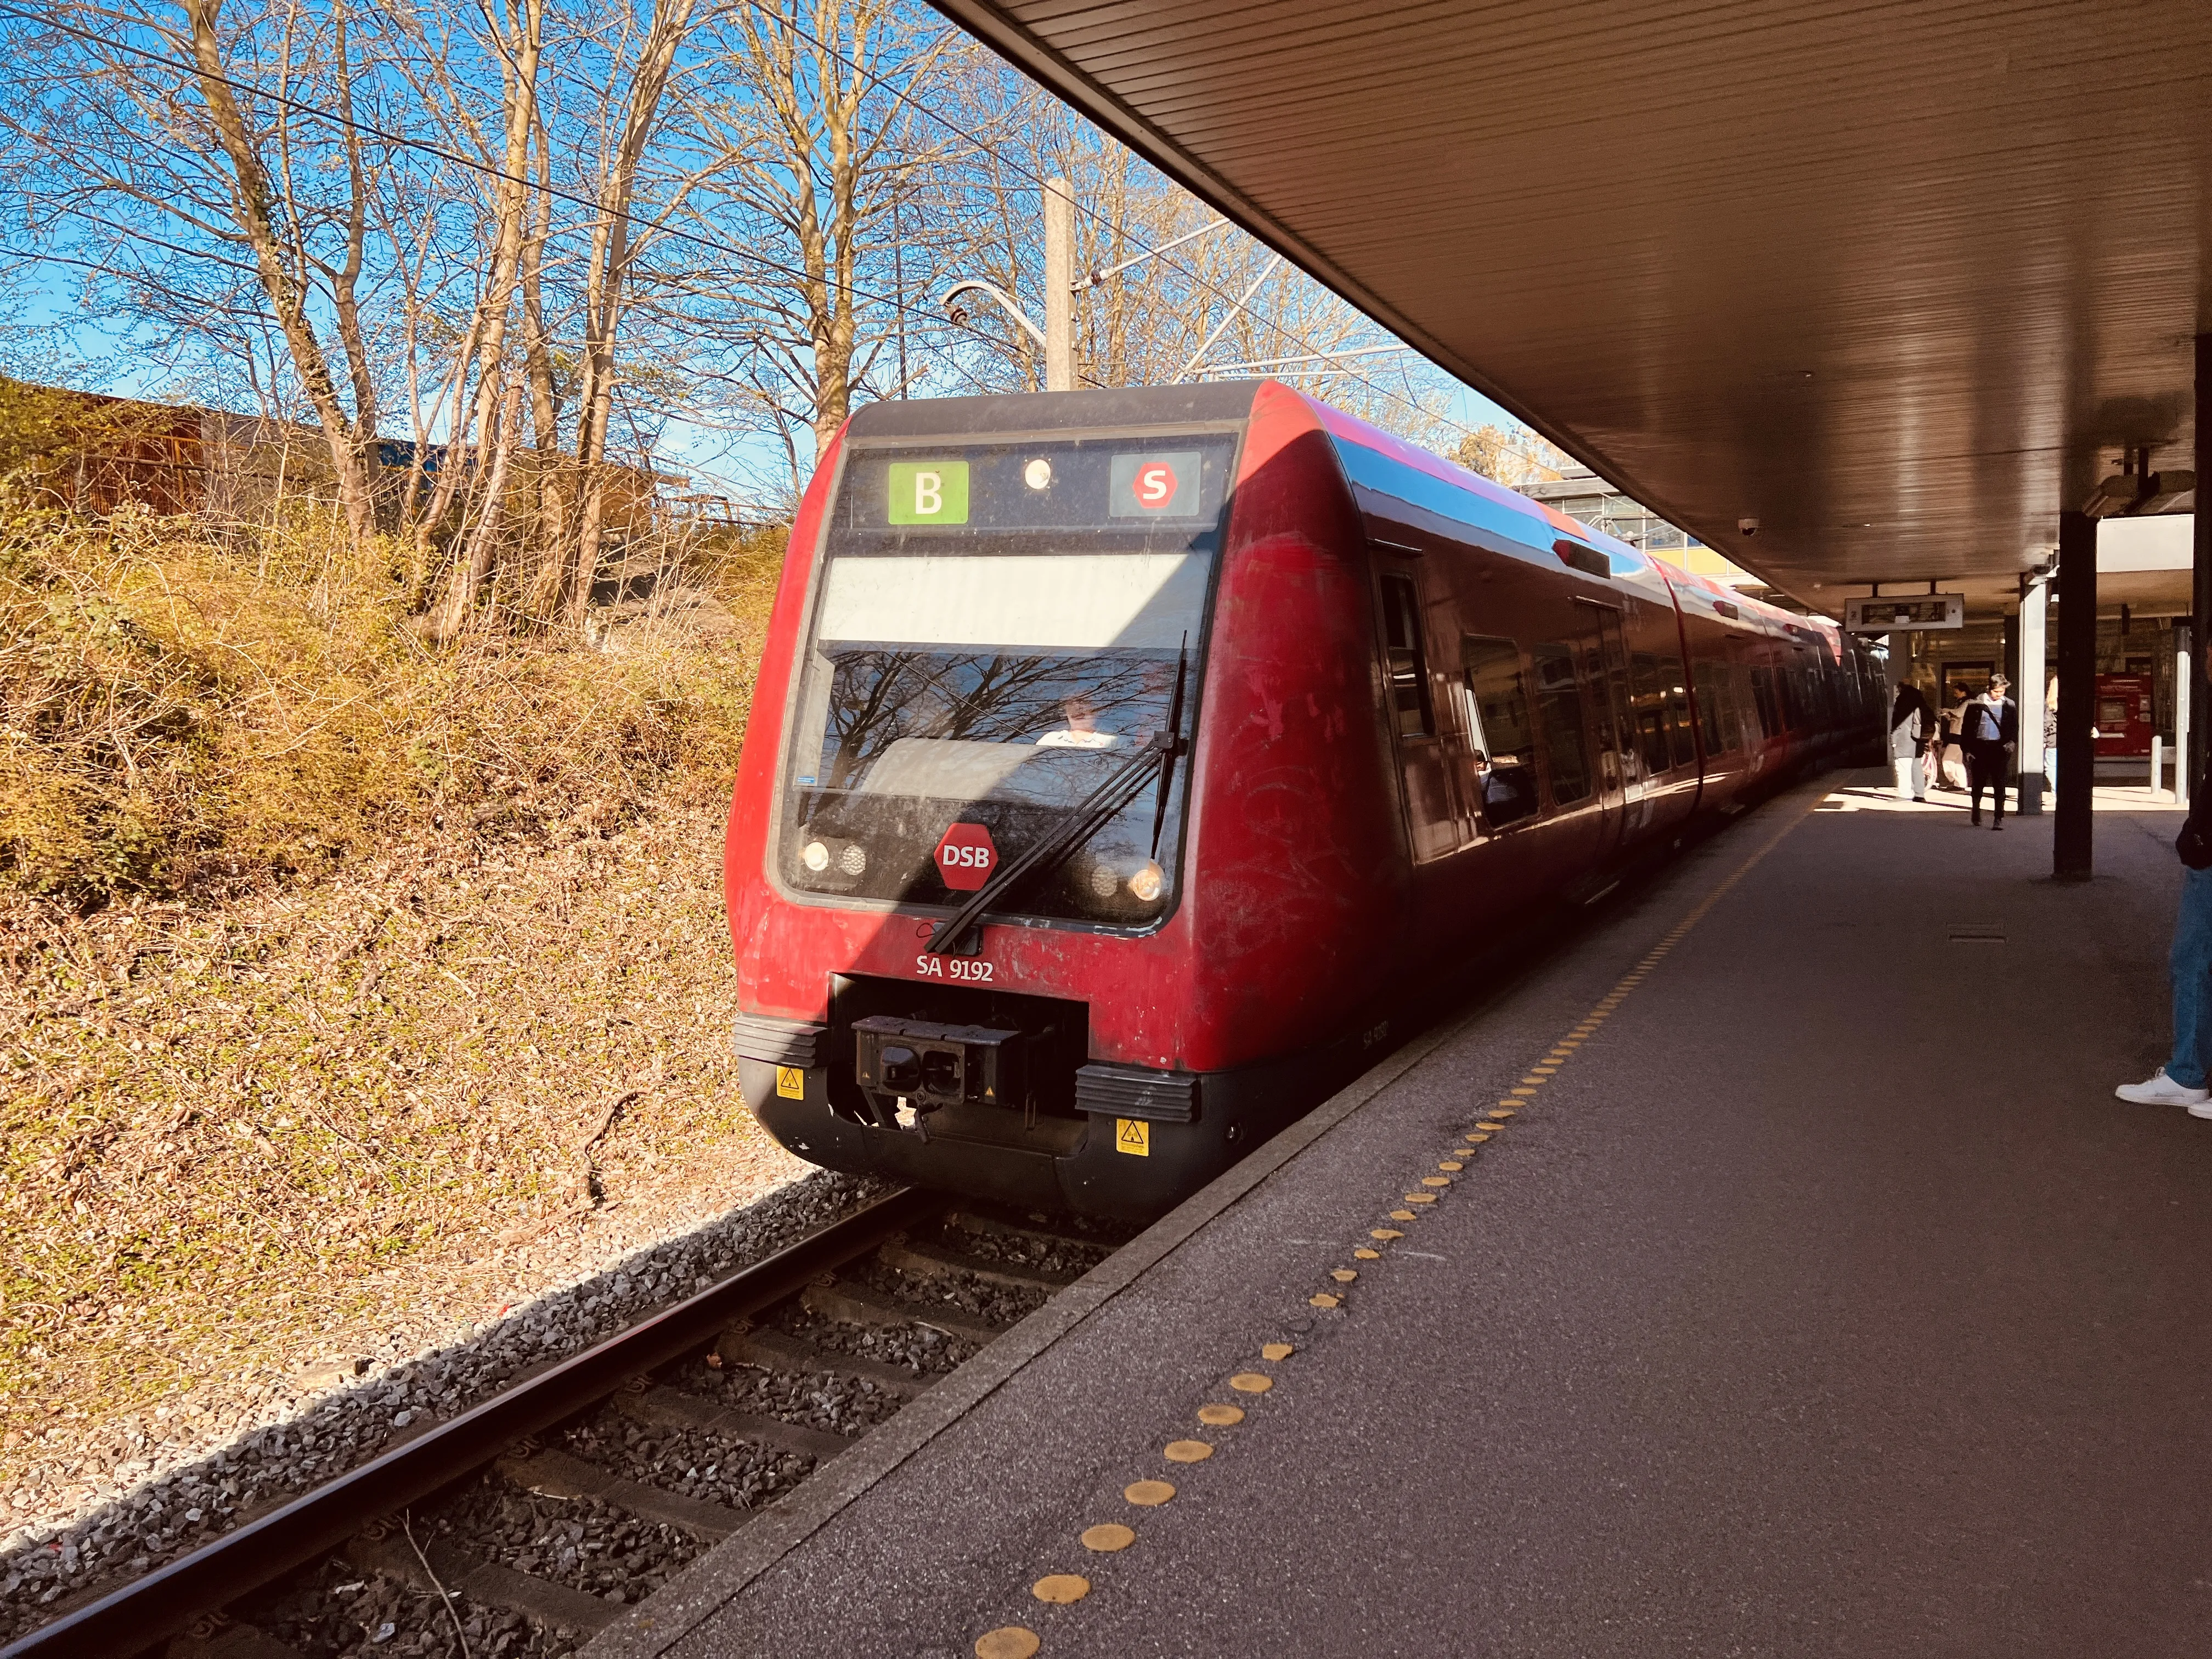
(1119, 760)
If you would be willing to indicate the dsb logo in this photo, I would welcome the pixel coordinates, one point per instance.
(966, 856)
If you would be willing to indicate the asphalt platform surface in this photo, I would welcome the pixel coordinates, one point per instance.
(1822, 1301)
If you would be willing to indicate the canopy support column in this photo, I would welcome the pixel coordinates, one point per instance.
(2034, 680)
(2200, 709)
(2071, 841)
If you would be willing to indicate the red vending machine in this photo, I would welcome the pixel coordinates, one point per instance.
(2124, 715)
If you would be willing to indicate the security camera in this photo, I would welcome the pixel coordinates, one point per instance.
(1749, 526)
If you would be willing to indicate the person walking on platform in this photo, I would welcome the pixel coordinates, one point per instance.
(1910, 718)
(2050, 735)
(1950, 757)
(1990, 729)
(2181, 1081)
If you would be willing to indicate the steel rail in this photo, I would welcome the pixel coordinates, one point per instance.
(164, 1601)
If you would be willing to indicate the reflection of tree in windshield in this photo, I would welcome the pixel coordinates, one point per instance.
(877, 697)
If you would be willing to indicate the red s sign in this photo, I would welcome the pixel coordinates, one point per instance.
(1155, 485)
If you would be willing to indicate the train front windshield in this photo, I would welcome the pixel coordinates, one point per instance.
(999, 629)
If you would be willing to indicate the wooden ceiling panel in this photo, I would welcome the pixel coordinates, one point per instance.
(1893, 278)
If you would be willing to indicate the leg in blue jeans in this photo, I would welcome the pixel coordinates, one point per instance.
(2190, 964)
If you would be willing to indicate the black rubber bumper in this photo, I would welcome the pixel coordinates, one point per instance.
(1130, 1169)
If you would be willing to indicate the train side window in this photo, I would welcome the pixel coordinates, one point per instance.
(1678, 710)
(1650, 701)
(1408, 661)
(1711, 683)
(1787, 684)
(1762, 697)
(1503, 739)
(1559, 707)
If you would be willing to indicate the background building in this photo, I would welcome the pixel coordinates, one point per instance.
(1586, 498)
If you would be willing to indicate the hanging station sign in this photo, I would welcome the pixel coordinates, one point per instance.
(1917, 613)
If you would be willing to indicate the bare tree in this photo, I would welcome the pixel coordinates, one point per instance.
(190, 198)
(614, 249)
(1513, 457)
(815, 142)
(1213, 302)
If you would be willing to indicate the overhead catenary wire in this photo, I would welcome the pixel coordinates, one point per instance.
(660, 226)
(1310, 357)
(954, 127)
(487, 169)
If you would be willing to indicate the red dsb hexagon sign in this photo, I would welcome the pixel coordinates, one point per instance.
(1155, 486)
(966, 857)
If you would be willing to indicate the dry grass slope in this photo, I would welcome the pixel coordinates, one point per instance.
(325, 958)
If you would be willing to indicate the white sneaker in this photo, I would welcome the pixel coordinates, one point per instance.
(2159, 1089)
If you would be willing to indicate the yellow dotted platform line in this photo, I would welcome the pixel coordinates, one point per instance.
(1064, 1588)
(1111, 1537)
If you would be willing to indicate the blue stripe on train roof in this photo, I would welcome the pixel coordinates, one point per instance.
(1525, 531)
(1529, 529)
(1387, 476)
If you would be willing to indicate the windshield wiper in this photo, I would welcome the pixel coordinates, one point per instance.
(1166, 765)
(1096, 810)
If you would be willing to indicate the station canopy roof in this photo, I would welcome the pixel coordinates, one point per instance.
(1896, 279)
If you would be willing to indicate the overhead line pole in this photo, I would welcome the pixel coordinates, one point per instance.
(1059, 284)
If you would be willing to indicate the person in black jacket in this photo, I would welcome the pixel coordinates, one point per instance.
(2181, 1080)
(1910, 701)
(1911, 722)
(1989, 730)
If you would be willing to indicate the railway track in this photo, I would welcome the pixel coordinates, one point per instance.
(525, 1525)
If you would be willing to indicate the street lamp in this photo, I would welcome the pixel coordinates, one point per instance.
(1057, 337)
(1007, 303)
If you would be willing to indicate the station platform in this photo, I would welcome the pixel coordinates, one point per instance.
(1818, 1297)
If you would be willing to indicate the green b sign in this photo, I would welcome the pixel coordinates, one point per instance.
(928, 492)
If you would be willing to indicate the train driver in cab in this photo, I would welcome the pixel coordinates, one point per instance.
(1081, 730)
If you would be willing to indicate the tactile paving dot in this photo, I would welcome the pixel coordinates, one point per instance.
(1007, 1642)
(1148, 1494)
(1220, 1416)
(1108, 1537)
(1060, 1587)
(1188, 1451)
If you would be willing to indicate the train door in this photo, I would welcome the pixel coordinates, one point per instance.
(1605, 656)
(1431, 818)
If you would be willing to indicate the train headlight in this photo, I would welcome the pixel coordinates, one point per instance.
(1104, 881)
(816, 857)
(1147, 883)
(854, 860)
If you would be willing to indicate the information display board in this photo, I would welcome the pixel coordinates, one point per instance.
(1918, 613)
